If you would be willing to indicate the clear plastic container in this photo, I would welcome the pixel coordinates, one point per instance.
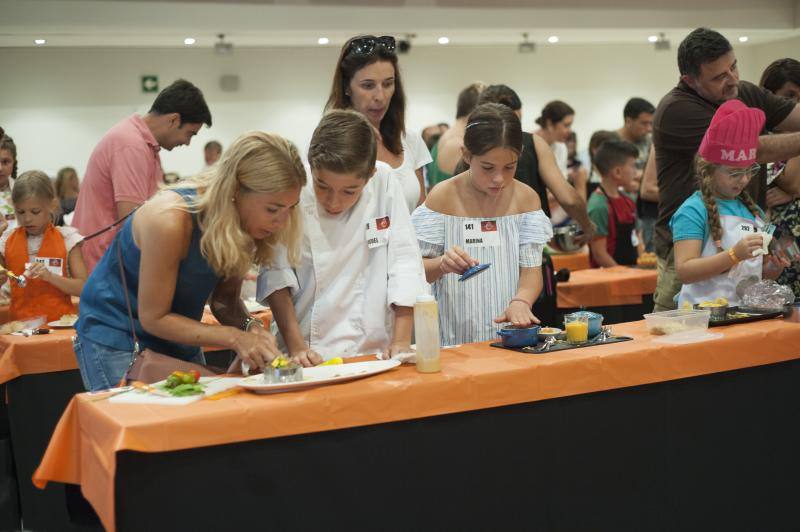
(677, 321)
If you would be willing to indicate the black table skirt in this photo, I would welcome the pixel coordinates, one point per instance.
(717, 452)
(35, 404)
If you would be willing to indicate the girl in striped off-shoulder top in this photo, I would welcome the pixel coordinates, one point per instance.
(483, 215)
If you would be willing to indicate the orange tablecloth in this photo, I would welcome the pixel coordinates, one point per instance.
(599, 287)
(474, 376)
(36, 354)
(571, 261)
(53, 352)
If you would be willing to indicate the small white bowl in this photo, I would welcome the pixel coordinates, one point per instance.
(546, 332)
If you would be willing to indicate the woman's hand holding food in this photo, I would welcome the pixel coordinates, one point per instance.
(456, 260)
(744, 248)
(518, 314)
(256, 348)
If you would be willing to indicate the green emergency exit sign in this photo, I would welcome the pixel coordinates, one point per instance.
(149, 83)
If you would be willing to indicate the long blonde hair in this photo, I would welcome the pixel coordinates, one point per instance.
(257, 162)
(705, 174)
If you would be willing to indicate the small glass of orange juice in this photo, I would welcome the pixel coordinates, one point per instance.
(576, 327)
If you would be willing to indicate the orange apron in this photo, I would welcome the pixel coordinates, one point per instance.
(38, 298)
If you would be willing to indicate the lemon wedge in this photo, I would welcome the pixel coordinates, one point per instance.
(333, 361)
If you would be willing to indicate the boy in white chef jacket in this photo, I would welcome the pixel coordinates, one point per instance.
(352, 289)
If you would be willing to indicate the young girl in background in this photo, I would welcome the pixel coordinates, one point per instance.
(67, 187)
(8, 172)
(360, 267)
(484, 215)
(718, 228)
(49, 256)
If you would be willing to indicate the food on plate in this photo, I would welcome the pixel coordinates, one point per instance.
(67, 320)
(183, 383)
(709, 304)
(549, 330)
(280, 362)
(647, 260)
(333, 361)
(668, 328)
(12, 327)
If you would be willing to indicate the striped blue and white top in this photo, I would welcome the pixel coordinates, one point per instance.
(467, 308)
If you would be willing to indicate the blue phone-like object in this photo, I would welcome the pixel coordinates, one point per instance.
(473, 271)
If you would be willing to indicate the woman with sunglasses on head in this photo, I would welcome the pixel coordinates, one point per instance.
(718, 230)
(367, 80)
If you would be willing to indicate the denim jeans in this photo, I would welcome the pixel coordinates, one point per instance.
(102, 367)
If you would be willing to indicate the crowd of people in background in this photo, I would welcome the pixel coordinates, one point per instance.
(485, 189)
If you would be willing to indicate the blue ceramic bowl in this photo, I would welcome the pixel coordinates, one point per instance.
(595, 321)
(519, 337)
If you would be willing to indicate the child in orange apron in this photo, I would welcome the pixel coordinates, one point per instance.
(48, 256)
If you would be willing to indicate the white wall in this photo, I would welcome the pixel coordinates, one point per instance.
(765, 54)
(57, 102)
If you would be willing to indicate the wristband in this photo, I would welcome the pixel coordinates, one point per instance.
(249, 322)
(521, 300)
(733, 256)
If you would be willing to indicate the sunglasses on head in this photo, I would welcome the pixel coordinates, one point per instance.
(366, 45)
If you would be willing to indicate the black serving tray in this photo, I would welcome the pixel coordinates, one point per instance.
(561, 346)
(756, 315)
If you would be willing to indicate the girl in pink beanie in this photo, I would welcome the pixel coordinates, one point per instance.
(718, 230)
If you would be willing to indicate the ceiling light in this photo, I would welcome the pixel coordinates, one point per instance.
(189, 41)
(552, 39)
(744, 38)
(652, 38)
(323, 40)
(39, 41)
(443, 40)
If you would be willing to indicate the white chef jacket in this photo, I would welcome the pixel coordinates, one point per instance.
(353, 267)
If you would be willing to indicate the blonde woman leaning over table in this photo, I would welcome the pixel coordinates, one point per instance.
(189, 243)
(484, 215)
(360, 268)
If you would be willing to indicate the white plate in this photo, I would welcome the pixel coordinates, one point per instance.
(61, 325)
(213, 385)
(320, 375)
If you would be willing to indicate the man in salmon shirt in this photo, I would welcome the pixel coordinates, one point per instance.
(124, 169)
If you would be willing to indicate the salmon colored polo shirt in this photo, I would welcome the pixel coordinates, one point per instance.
(124, 166)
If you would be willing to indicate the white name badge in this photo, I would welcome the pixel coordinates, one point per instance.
(483, 233)
(378, 232)
(746, 229)
(53, 265)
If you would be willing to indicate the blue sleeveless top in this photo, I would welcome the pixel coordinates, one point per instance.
(103, 316)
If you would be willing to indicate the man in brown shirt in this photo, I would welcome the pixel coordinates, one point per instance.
(709, 77)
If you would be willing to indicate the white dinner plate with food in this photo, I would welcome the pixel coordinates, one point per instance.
(320, 375)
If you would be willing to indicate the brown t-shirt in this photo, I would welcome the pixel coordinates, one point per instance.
(679, 124)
